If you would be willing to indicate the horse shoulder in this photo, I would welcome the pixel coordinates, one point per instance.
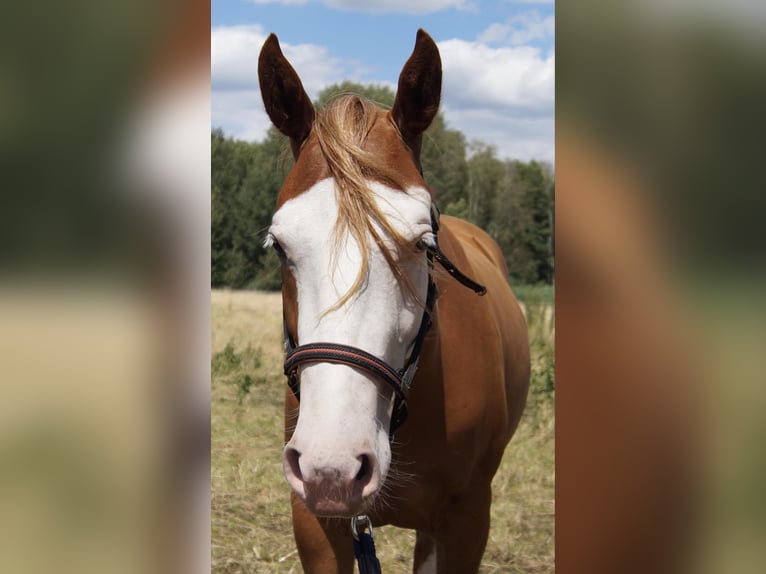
(476, 239)
(499, 329)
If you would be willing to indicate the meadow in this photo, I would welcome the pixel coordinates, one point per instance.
(250, 508)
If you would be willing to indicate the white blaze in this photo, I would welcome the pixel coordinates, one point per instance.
(345, 412)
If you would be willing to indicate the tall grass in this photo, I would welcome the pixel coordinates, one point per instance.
(251, 527)
(537, 304)
(538, 294)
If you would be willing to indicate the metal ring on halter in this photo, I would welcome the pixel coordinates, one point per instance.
(356, 520)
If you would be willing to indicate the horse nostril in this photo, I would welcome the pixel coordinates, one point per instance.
(365, 468)
(292, 458)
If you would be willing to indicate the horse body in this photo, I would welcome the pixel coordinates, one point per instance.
(471, 384)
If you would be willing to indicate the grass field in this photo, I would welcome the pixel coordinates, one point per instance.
(251, 527)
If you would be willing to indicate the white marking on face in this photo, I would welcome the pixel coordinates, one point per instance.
(343, 411)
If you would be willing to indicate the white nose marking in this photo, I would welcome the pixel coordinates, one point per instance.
(328, 487)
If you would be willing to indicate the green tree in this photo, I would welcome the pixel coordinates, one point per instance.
(378, 93)
(228, 170)
(508, 218)
(246, 178)
(261, 187)
(485, 175)
(443, 158)
(536, 202)
(522, 222)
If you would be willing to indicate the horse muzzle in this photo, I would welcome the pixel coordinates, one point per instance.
(337, 486)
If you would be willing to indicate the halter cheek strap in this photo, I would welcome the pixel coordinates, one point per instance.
(436, 254)
(399, 380)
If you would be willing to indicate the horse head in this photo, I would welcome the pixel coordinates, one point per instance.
(352, 225)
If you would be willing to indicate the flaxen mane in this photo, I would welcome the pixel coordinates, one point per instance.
(341, 130)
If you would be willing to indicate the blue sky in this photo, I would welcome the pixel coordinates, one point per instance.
(498, 60)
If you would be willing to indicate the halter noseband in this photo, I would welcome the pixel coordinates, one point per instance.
(399, 380)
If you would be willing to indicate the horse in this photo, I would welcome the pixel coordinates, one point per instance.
(405, 381)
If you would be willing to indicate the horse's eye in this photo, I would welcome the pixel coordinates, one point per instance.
(272, 242)
(426, 242)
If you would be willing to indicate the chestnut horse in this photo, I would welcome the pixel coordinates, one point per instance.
(365, 306)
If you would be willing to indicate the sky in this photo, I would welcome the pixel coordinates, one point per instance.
(497, 59)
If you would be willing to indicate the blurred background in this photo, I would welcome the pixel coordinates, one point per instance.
(105, 279)
(659, 284)
(104, 286)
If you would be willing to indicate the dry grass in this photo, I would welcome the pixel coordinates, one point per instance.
(251, 527)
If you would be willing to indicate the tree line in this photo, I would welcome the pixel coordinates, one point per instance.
(512, 200)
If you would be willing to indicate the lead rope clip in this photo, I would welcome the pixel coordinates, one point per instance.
(364, 545)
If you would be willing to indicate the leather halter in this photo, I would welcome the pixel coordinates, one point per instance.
(399, 380)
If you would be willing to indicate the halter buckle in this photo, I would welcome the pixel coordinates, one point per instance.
(365, 523)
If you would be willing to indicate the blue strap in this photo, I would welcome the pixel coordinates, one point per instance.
(364, 550)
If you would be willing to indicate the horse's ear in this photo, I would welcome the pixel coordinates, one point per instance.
(286, 102)
(419, 91)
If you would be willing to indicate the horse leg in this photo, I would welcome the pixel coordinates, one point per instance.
(462, 533)
(324, 544)
(425, 553)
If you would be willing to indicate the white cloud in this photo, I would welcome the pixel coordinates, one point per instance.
(519, 29)
(240, 113)
(502, 96)
(518, 78)
(513, 136)
(234, 59)
(379, 6)
(236, 99)
(234, 56)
